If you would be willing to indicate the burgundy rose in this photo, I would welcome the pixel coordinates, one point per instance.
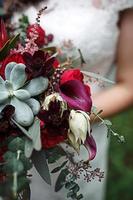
(37, 29)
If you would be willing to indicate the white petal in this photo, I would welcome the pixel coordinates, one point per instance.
(34, 105)
(78, 125)
(8, 69)
(23, 113)
(22, 94)
(18, 76)
(37, 85)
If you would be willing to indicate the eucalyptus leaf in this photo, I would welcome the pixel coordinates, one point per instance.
(26, 162)
(59, 168)
(61, 180)
(70, 185)
(107, 123)
(16, 144)
(97, 76)
(25, 194)
(9, 155)
(29, 147)
(34, 132)
(13, 166)
(54, 154)
(22, 129)
(40, 163)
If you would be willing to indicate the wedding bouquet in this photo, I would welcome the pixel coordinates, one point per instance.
(44, 104)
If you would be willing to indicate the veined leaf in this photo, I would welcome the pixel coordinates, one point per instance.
(40, 163)
(61, 180)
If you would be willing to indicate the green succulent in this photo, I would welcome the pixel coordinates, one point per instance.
(14, 90)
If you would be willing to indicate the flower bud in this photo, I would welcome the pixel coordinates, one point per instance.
(79, 128)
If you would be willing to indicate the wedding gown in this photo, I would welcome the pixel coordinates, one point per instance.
(92, 29)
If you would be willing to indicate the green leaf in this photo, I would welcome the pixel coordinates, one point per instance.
(16, 144)
(25, 194)
(34, 132)
(61, 180)
(59, 168)
(23, 183)
(107, 123)
(40, 163)
(26, 162)
(76, 188)
(10, 44)
(98, 77)
(71, 194)
(80, 197)
(70, 185)
(22, 129)
(54, 154)
(13, 166)
(9, 155)
(29, 147)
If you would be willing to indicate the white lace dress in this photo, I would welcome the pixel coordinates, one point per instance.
(93, 29)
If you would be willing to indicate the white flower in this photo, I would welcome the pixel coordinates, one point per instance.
(54, 97)
(79, 124)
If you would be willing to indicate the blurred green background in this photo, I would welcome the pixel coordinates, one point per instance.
(120, 176)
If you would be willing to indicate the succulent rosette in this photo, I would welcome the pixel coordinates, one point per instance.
(16, 92)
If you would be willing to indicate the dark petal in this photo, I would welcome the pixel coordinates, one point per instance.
(43, 114)
(39, 54)
(28, 59)
(90, 145)
(74, 92)
(50, 61)
(48, 68)
(8, 111)
(4, 126)
(54, 107)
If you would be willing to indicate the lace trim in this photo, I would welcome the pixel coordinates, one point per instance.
(118, 5)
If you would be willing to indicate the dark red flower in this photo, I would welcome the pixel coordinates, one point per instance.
(40, 64)
(49, 139)
(3, 34)
(76, 94)
(56, 125)
(16, 57)
(37, 29)
(71, 74)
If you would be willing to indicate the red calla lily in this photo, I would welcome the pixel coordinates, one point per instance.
(90, 145)
(75, 93)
